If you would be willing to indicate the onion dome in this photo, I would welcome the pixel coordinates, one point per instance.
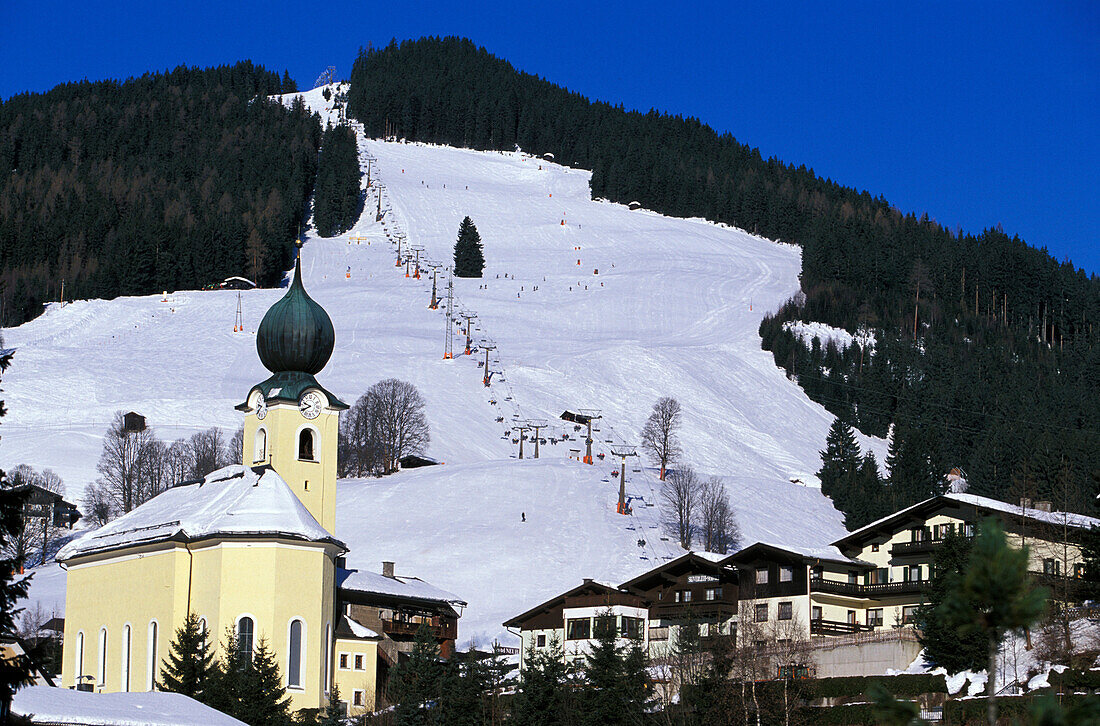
(296, 333)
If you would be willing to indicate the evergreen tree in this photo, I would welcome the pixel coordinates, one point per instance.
(248, 687)
(14, 670)
(617, 684)
(333, 712)
(337, 199)
(416, 684)
(190, 663)
(840, 460)
(545, 696)
(994, 595)
(469, 258)
(943, 645)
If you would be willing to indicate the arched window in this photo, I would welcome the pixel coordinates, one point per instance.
(294, 655)
(259, 451)
(151, 672)
(245, 632)
(126, 638)
(78, 658)
(101, 672)
(305, 445)
(326, 656)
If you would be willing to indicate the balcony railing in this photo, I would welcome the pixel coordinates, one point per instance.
(444, 631)
(916, 547)
(836, 627)
(877, 590)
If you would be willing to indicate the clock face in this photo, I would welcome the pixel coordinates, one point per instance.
(261, 409)
(310, 405)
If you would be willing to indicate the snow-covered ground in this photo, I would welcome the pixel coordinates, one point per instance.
(807, 331)
(673, 310)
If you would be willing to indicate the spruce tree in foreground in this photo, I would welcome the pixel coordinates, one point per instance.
(469, 257)
(14, 670)
(994, 595)
(943, 645)
(617, 684)
(248, 687)
(333, 712)
(189, 667)
(416, 685)
(546, 695)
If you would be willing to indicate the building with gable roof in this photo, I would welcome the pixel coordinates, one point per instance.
(250, 549)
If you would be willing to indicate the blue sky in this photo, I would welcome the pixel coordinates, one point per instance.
(977, 113)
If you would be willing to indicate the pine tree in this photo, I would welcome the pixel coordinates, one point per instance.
(337, 199)
(545, 696)
(616, 679)
(14, 670)
(469, 257)
(333, 712)
(416, 684)
(994, 595)
(190, 663)
(943, 646)
(248, 687)
(840, 460)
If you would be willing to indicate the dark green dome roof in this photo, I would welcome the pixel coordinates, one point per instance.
(296, 333)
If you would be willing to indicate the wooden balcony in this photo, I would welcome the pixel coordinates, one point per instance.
(836, 627)
(878, 590)
(445, 630)
(917, 547)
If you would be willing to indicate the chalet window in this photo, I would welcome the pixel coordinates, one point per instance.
(245, 630)
(760, 612)
(762, 576)
(851, 617)
(914, 573)
(874, 547)
(683, 596)
(359, 662)
(343, 661)
(908, 613)
(1052, 566)
(714, 593)
(786, 611)
(631, 628)
(853, 577)
(578, 629)
(874, 617)
(916, 534)
(815, 612)
(1079, 570)
(305, 445)
(540, 641)
(294, 655)
(968, 529)
(817, 572)
(759, 644)
(786, 573)
(357, 698)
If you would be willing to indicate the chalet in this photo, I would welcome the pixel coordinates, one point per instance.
(570, 619)
(380, 615)
(42, 504)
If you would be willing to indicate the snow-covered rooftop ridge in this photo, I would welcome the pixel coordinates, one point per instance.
(399, 586)
(236, 500)
(154, 708)
(825, 552)
(358, 629)
(1039, 515)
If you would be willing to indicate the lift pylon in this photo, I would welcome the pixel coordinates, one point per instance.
(416, 250)
(591, 414)
(487, 345)
(469, 316)
(434, 267)
(536, 424)
(448, 344)
(622, 451)
(522, 432)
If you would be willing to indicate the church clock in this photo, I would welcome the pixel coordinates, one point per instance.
(310, 405)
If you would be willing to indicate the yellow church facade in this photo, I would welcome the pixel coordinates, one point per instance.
(249, 549)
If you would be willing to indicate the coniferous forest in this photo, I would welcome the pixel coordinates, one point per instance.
(167, 181)
(986, 353)
(337, 200)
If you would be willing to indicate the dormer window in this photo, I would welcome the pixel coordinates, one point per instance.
(305, 445)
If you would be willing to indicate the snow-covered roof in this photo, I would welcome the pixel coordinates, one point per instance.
(356, 628)
(236, 500)
(397, 586)
(155, 708)
(829, 553)
(1038, 515)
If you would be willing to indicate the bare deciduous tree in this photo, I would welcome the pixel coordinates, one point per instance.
(124, 465)
(385, 424)
(681, 493)
(235, 455)
(717, 520)
(209, 452)
(659, 435)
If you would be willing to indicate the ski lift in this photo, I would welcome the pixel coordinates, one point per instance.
(515, 441)
(500, 419)
(600, 456)
(615, 472)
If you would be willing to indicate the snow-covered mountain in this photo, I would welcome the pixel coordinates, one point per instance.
(590, 305)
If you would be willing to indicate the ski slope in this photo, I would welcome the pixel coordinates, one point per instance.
(673, 310)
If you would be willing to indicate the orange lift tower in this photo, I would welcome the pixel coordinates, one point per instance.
(584, 417)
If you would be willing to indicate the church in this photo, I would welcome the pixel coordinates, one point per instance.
(252, 548)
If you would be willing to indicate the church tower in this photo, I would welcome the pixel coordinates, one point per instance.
(291, 422)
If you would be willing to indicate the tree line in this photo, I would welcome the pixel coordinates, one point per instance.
(987, 350)
(171, 180)
(337, 198)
